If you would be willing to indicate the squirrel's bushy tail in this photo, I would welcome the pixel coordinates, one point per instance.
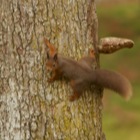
(113, 81)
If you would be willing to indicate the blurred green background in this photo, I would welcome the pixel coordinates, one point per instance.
(121, 18)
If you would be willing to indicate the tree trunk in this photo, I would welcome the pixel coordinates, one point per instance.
(30, 108)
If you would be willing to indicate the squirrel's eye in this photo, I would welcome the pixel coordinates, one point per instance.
(54, 65)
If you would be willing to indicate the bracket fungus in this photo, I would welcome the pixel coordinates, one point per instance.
(109, 45)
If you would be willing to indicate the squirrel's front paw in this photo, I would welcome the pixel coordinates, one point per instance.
(50, 80)
(74, 97)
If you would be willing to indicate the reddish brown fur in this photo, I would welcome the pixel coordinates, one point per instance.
(81, 76)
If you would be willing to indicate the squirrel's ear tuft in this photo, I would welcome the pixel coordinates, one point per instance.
(48, 55)
(55, 57)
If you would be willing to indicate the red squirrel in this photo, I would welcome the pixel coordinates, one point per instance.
(82, 76)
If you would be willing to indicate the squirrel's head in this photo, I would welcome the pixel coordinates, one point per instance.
(52, 62)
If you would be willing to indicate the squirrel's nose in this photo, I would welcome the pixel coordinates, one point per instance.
(49, 69)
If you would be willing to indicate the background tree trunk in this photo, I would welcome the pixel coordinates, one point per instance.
(29, 107)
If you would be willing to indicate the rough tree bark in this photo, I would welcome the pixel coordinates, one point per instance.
(29, 107)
